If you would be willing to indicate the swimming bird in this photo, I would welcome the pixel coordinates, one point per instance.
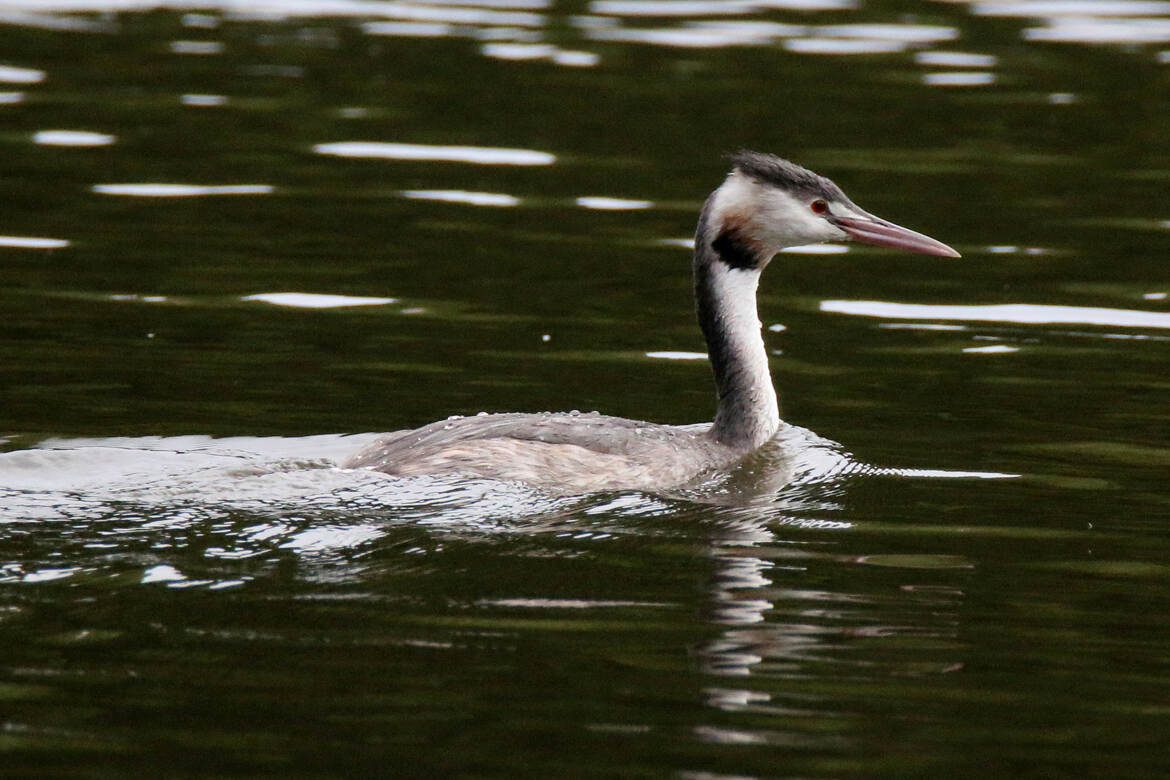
(764, 205)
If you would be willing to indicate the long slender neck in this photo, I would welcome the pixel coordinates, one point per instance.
(726, 276)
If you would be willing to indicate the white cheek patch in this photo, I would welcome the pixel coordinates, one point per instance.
(785, 221)
(735, 202)
(768, 219)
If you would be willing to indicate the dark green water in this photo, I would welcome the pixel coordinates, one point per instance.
(188, 589)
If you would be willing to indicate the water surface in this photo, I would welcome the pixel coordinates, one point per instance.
(237, 243)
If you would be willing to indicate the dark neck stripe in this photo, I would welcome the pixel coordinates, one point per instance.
(734, 251)
(739, 390)
(712, 324)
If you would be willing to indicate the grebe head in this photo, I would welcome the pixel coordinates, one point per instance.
(767, 204)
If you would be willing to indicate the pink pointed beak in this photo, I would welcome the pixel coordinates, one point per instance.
(869, 229)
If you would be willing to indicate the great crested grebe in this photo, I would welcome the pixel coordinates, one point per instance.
(764, 205)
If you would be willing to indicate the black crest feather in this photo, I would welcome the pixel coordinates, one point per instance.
(778, 172)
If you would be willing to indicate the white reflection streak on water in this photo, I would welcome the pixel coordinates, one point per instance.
(955, 59)
(663, 8)
(843, 46)
(1075, 8)
(692, 8)
(808, 5)
(530, 5)
(410, 29)
(1023, 313)
(10, 74)
(480, 155)
(49, 21)
(906, 33)
(317, 300)
(200, 21)
(497, 199)
(958, 79)
(670, 355)
(203, 101)
(921, 326)
(602, 203)
(521, 52)
(455, 15)
(994, 349)
(136, 298)
(1101, 31)
(286, 9)
(32, 242)
(544, 603)
(575, 59)
(151, 190)
(751, 30)
(198, 48)
(687, 37)
(72, 138)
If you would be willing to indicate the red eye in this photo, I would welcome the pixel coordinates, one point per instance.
(819, 206)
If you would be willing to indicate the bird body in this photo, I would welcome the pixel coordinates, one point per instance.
(764, 205)
(561, 452)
